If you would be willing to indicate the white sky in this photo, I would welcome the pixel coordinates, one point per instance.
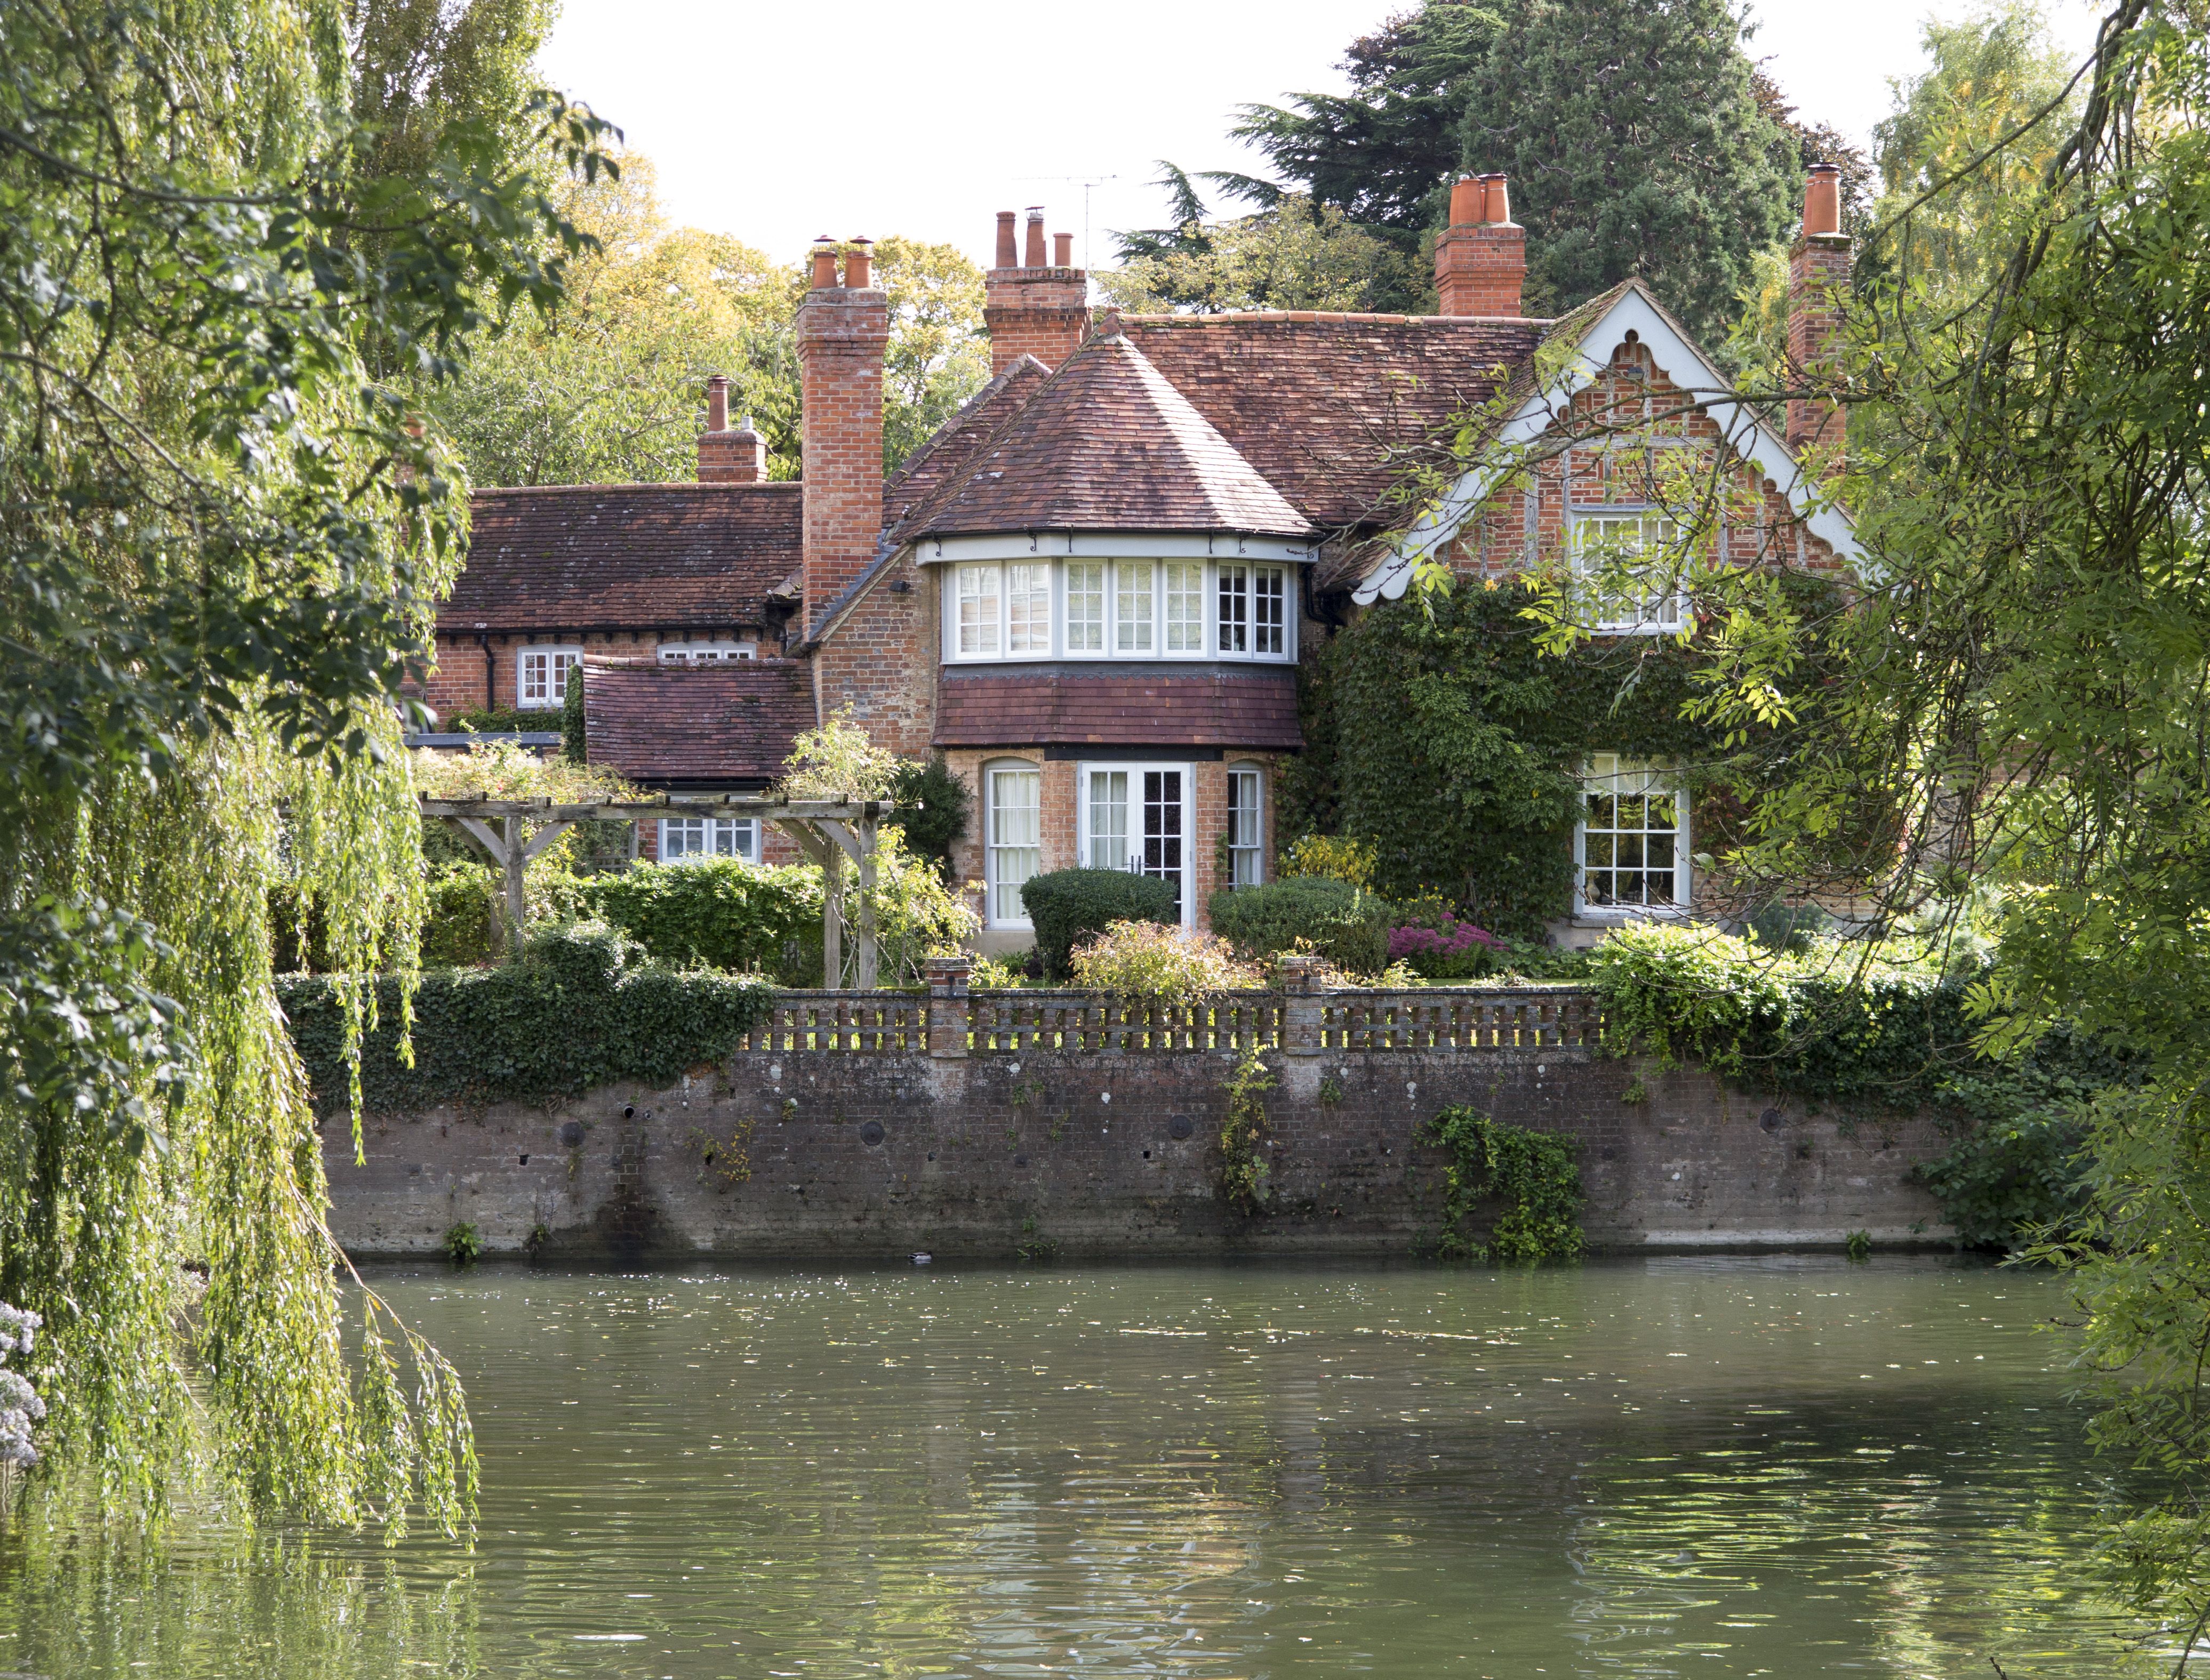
(779, 122)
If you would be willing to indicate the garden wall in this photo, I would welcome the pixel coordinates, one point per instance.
(868, 1126)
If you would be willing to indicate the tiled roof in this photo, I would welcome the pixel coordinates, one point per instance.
(1258, 709)
(954, 442)
(1332, 408)
(571, 557)
(731, 721)
(1106, 444)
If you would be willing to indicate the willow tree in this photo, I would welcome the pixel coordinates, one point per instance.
(221, 542)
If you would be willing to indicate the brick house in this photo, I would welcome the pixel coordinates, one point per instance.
(1091, 588)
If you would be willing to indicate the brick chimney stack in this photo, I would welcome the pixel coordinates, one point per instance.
(1481, 258)
(1818, 282)
(726, 457)
(842, 328)
(1036, 306)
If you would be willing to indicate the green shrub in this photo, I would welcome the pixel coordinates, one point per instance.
(574, 736)
(456, 934)
(1146, 959)
(932, 805)
(719, 911)
(1065, 904)
(1345, 925)
(582, 1009)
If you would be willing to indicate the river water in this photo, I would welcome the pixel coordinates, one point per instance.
(1695, 1467)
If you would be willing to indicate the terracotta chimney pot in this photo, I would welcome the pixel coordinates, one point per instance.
(1822, 202)
(824, 262)
(1499, 201)
(1481, 258)
(1034, 256)
(1062, 251)
(1009, 255)
(859, 260)
(1469, 200)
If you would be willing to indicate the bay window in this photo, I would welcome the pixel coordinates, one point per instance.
(1131, 609)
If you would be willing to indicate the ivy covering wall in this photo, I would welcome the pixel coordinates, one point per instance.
(1438, 733)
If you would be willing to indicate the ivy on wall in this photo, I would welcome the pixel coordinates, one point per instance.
(1439, 732)
(582, 1009)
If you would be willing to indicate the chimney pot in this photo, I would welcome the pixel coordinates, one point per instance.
(1062, 251)
(1499, 201)
(717, 403)
(1481, 258)
(1034, 255)
(1822, 202)
(824, 262)
(858, 262)
(1009, 255)
(1469, 200)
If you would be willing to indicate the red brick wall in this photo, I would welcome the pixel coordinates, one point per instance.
(1039, 312)
(842, 333)
(1818, 279)
(882, 661)
(1481, 270)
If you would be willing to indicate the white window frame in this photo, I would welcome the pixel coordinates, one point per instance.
(1242, 578)
(1655, 614)
(1246, 849)
(1611, 771)
(552, 663)
(1133, 836)
(994, 643)
(994, 883)
(742, 833)
(706, 653)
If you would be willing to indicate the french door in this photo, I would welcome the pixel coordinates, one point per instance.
(1136, 817)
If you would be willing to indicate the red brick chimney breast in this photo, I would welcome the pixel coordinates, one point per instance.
(1039, 309)
(1481, 258)
(1818, 281)
(726, 457)
(842, 333)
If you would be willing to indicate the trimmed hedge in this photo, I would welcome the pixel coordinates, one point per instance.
(1065, 904)
(1344, 924)
(719, 911)
(582, 1009)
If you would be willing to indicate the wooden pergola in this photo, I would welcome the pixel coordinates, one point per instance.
(826, 830)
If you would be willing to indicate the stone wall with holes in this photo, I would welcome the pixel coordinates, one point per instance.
(836, 1156)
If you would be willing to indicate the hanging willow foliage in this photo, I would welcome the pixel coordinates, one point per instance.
(221, 542)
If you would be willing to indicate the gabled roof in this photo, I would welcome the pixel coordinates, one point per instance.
(1332, 408)
(954, 442)
(1587, 335)
(1106, 444)
(571, 556)
(725, 721)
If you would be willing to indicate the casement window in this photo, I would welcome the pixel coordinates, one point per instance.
(705, 652)
(1134, 607)
(1632, 844)
(692, 839)
(1627, 598)
(1027, 609)
(1085, 606)
(978, 606)
(1184, 598)
(1246, 825)
(1136, 817)
(1253, 619)
(1014, 795)
(541, 675)
(1128, 609)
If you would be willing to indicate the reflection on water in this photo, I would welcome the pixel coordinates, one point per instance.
(1694, 1467)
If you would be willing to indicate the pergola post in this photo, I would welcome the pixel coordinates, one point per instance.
(826, 830)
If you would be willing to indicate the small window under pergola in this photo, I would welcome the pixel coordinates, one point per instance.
(511, 832)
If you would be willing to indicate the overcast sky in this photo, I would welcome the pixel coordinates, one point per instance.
(777, 123)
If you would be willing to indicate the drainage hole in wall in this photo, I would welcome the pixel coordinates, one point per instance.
(525, 1160)
(871, 1132)
(1020, 1160)
(931, 1154)
(1179, 1126)
(629, 1114)
(1147, 1154)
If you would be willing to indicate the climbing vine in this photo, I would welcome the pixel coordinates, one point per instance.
(1532, 1173)
(1242, 1135)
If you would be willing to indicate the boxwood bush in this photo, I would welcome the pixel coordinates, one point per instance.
(1347, 925)
(1066, 904)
